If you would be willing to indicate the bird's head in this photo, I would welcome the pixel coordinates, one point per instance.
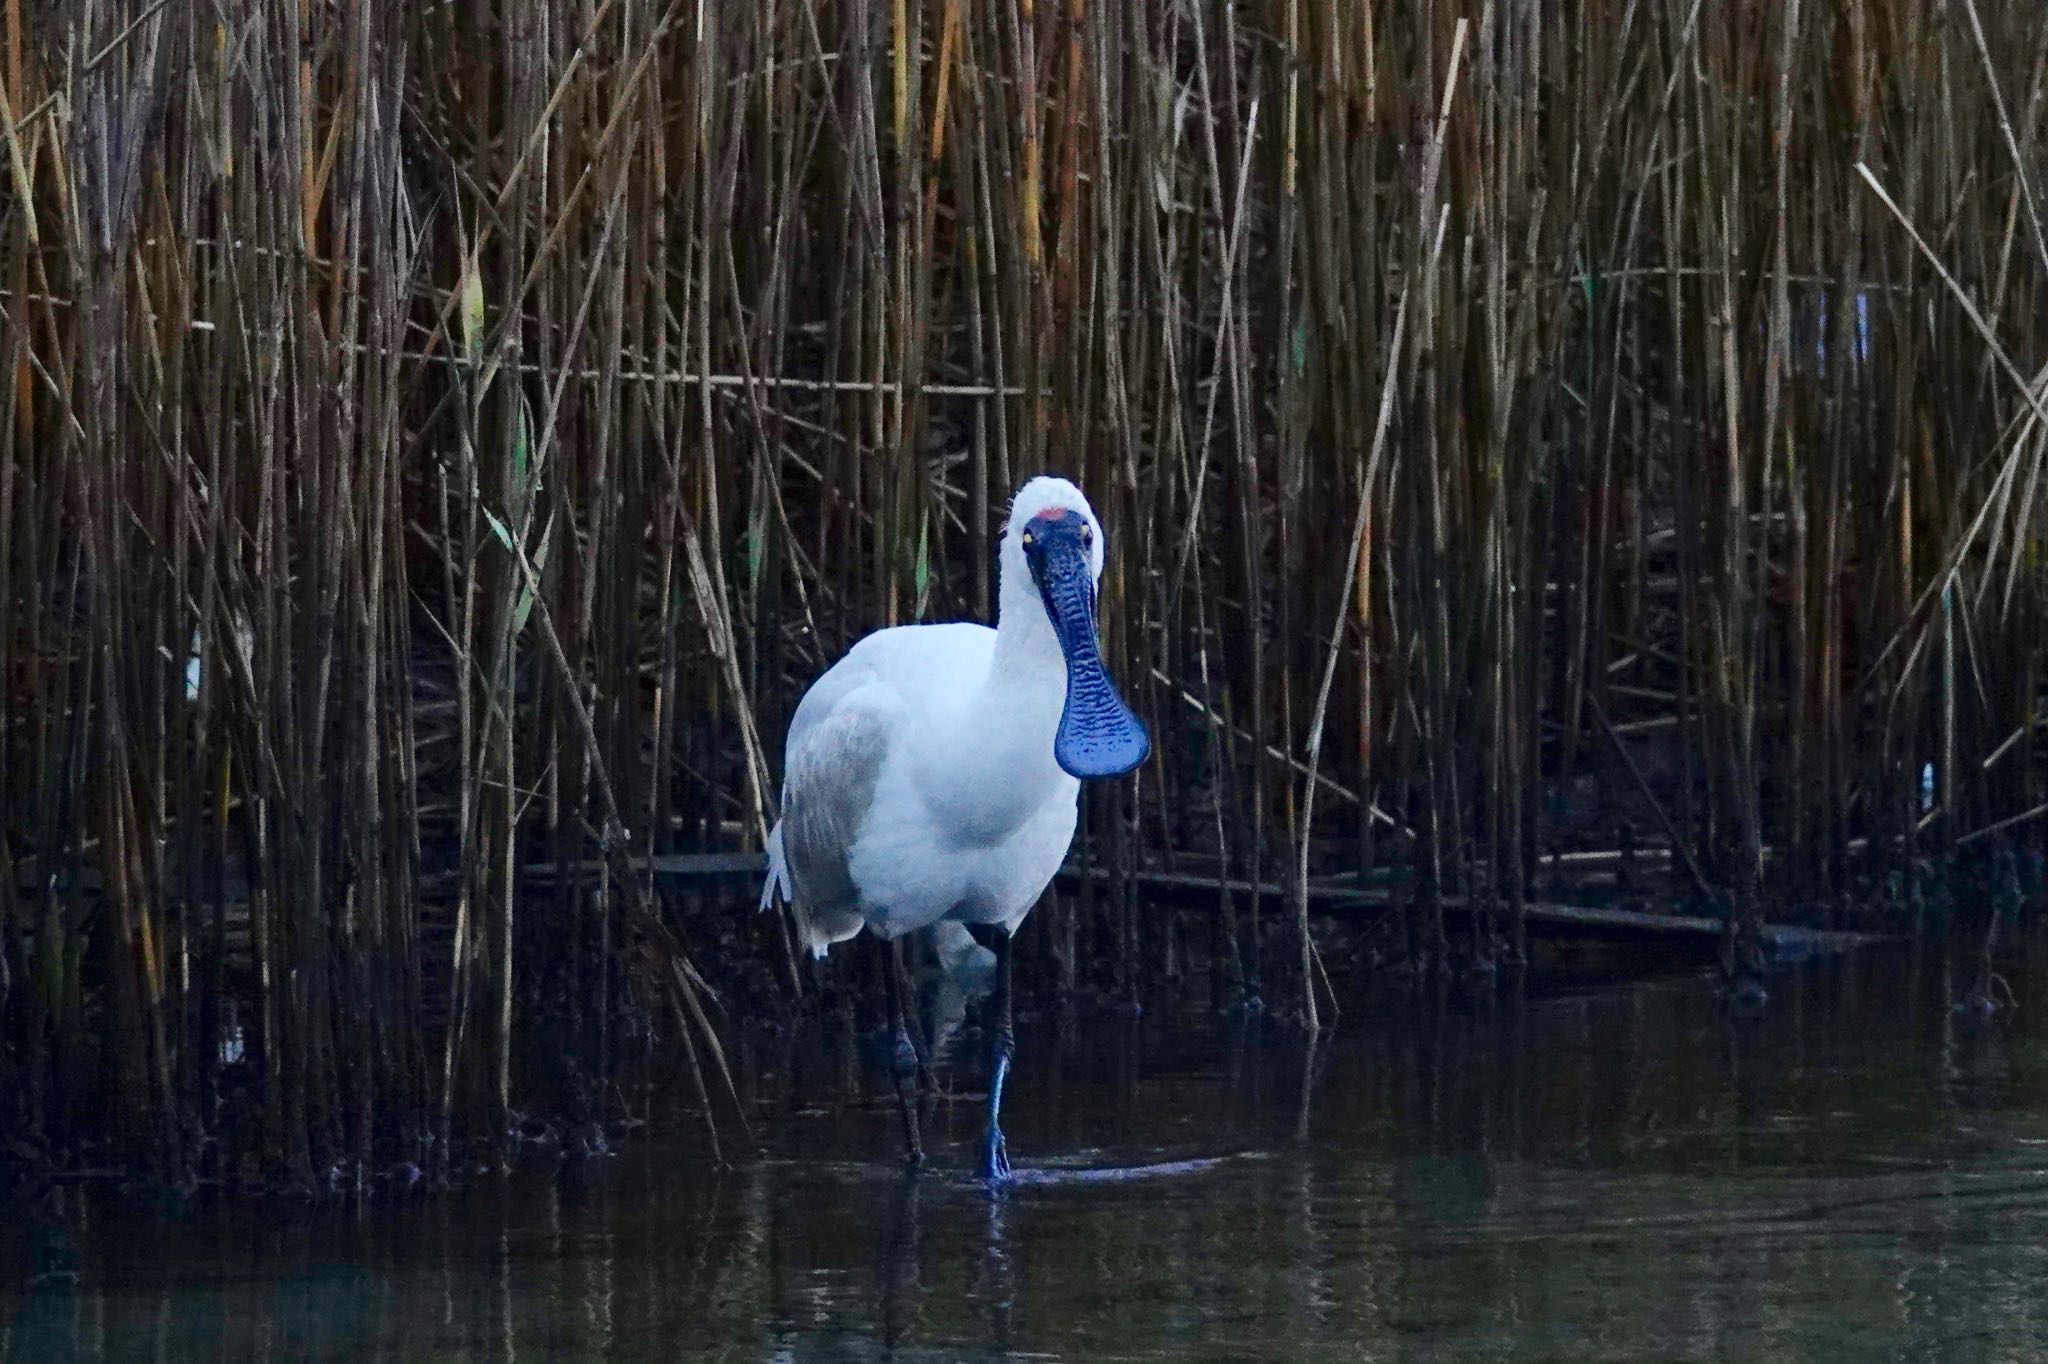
(1054, 537)
(1042, 511)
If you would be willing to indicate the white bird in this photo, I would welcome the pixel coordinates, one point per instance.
(932, 774)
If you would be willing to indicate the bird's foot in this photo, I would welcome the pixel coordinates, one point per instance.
(995, 1157)
(913, 1159)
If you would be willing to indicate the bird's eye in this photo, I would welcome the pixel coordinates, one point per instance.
(1087, 536)
(1027, 539)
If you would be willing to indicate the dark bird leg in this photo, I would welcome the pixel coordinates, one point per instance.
(913, 1018)
(902, 1055)
(995, 1155)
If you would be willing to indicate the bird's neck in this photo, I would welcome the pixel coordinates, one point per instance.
(1026, 648)
(1010, 720)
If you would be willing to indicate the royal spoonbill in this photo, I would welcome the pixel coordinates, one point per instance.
(932, 774)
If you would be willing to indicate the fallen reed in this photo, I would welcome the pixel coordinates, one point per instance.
(1549, 449)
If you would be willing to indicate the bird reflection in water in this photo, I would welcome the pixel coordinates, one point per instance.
(902, 1269)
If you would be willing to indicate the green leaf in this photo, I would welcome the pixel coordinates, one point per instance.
(525, 478)
(498, 529)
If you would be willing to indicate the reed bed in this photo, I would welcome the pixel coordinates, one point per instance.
(1545, 446)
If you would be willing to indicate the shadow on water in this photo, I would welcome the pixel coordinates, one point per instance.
(1625, 1173)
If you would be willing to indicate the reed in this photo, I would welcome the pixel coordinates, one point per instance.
(439, 443)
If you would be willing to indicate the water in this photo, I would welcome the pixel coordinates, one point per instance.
(1624, 1174)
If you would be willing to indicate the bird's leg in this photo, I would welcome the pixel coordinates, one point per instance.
(995, 1155)
(926, 1086)
(902, 1055)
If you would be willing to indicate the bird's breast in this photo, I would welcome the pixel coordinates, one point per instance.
(988, 791)
(972, 769)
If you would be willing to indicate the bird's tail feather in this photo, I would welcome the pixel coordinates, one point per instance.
(820, 928)
(817, 930)
(778, 871)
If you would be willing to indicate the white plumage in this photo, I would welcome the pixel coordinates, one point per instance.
(930, 776)
(919, 779)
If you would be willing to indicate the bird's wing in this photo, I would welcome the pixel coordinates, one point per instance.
(924, 667)
(826, 790)
(839, 741)
(817, 928)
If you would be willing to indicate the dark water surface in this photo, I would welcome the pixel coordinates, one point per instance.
(1625, 1174)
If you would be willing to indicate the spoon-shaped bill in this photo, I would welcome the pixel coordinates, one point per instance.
(1098, 735)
